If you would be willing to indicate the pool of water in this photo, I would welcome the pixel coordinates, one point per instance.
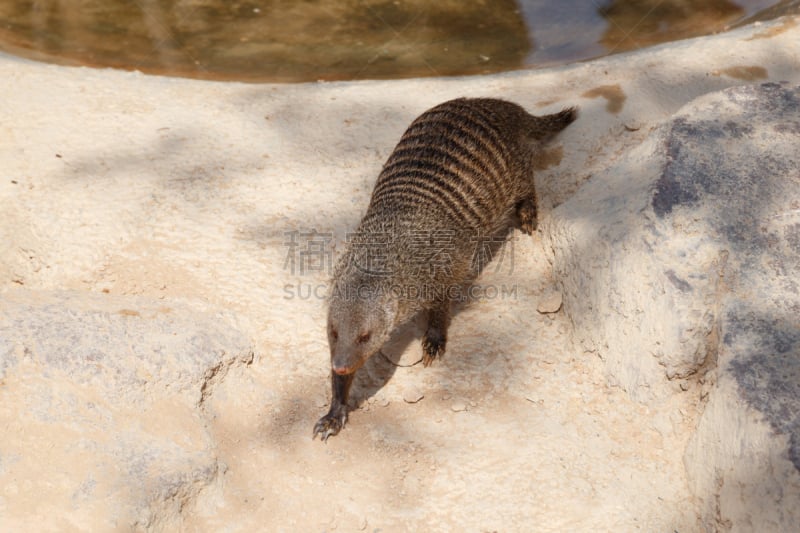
(306, 40)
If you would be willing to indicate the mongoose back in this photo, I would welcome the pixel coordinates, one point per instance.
(459, 179)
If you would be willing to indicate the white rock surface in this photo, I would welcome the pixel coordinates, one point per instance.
(102, 405)
(183, 192)
(681, 262)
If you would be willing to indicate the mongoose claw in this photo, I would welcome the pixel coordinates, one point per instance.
(329, 425)
(432, 348)
(528, 227)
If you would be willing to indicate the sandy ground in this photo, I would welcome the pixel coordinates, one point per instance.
(185, 190)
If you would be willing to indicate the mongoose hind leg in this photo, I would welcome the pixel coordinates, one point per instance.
(334, 421)
(435, 339)
(526, 211)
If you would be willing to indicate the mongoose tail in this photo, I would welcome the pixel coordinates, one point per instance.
(546, 127)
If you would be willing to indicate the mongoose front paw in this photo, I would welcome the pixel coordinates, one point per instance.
(528, 221)
(526, 211)
(528, 227)
(432, 347)
(329, 425)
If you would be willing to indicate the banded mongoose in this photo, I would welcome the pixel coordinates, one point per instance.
(461, 176)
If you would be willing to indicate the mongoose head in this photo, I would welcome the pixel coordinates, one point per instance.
(359, 323)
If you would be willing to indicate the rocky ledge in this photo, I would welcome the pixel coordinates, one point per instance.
(679, 267)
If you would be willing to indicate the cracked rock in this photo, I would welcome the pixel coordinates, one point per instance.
(102, 400)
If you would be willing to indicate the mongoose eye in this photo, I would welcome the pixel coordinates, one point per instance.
(334, 334)
(363, 338)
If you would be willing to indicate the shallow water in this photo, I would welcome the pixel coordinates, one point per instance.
(293, 41)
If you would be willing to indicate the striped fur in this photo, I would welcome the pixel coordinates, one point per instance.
(464, 166)
(471, 158)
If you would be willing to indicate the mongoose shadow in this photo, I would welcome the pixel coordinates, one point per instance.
(455, 185)
(378, 370)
